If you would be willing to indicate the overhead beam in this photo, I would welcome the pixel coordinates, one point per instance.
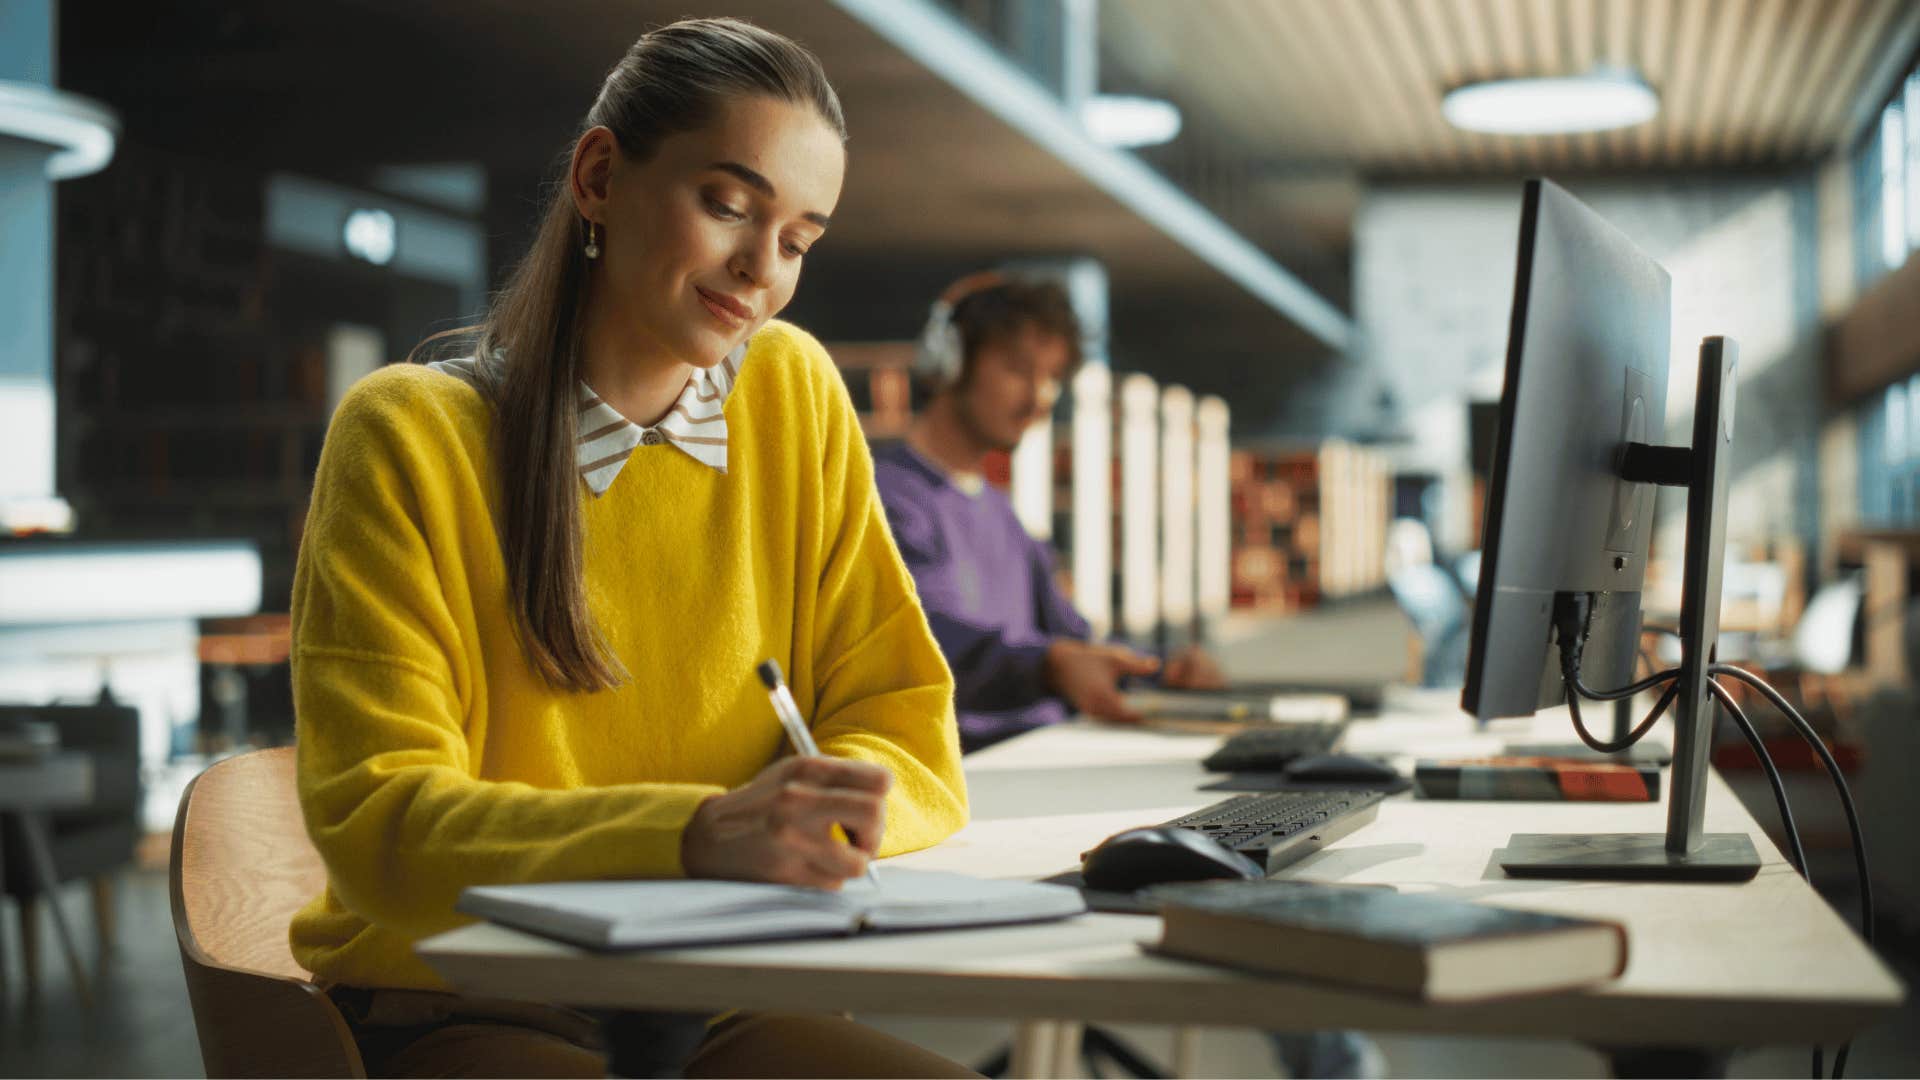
(952, 51)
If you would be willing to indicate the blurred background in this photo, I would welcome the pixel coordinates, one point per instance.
(1292, 247)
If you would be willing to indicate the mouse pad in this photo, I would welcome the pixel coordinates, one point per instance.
(1273, 781)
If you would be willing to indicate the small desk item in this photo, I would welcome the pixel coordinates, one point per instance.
(661, 914)
(1200, 709)
(1136, 858)
(1536, 779)
(1419, 945)
(1283, 828)
(1262, 749)
(1643, 752)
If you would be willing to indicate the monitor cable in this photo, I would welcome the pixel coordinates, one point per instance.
(1570, 622)
(1569, 619)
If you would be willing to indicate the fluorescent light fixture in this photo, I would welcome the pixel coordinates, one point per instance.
(1597, 101)
(370, 235)
(80, 131)
(1124, 121)
(62, 582)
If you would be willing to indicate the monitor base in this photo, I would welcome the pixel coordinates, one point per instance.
(1628, 857)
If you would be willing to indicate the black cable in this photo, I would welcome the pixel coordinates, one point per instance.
(1833, 770)
(1819, 746)
(1594, 743)
(1794, 850)
(1627, 691)
(1570, 618)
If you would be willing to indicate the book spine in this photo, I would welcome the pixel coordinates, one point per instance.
(1566, 783)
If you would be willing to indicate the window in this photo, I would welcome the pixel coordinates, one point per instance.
(1890, 457)
(1887, 185)
(1893, 185)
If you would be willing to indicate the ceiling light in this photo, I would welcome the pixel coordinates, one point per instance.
(81, 132)
(1127, 122)
(1596, 101)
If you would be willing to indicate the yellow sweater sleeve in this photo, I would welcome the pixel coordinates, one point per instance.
(382, 683)
(882, 690)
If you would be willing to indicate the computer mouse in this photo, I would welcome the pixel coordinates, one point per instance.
(1138, 858)
(1338, 768)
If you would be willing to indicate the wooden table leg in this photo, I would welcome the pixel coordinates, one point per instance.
(40, 861)
(1034, 1042)
(1186, 1051)
(1066, 1049)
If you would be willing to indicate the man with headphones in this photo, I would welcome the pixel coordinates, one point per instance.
(994, 356)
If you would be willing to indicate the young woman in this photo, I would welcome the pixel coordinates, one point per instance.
(536, 581)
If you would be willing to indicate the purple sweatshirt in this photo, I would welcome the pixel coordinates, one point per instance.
(987, 587)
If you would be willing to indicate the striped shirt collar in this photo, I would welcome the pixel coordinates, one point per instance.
(697, 422)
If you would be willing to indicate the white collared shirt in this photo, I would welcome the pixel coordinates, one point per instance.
(696, 424)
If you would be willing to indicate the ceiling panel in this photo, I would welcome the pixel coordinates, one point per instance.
(1743, 83)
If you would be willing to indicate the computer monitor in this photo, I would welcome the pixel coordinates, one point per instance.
(1577, 453)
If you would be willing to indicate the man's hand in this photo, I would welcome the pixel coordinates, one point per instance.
(779, 827)
(1089, 675)
(1193, 669)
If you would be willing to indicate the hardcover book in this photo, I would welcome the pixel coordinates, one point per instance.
(1418, 945)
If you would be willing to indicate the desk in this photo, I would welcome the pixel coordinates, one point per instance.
(1710, 965)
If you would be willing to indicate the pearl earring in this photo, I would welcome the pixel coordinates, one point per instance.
(593, 245)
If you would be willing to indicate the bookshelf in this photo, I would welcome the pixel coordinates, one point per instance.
(1308, 524)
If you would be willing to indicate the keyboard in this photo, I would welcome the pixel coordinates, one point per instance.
(1268, 749)
(1284, 827)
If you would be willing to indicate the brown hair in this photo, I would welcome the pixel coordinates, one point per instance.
(672, 80)
(993, 314)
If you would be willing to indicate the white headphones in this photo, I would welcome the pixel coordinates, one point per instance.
(942, 354)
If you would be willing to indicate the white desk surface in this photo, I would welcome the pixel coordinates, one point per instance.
(1709, 964)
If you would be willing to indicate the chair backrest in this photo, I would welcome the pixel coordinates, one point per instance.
(242, 865)
(1823, 640)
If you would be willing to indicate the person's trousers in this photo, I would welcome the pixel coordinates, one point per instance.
(413, 1033)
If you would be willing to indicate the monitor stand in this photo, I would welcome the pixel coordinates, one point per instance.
(1684, 852)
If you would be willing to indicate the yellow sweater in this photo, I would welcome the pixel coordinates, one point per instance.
(433, 757)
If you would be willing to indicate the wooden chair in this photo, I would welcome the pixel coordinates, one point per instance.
(242, 865)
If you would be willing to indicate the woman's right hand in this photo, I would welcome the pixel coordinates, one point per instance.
(779, 827)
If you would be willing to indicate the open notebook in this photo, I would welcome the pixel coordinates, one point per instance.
(661, 914)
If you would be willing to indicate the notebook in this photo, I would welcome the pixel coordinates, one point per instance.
(1419, 945)
(667, 914)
